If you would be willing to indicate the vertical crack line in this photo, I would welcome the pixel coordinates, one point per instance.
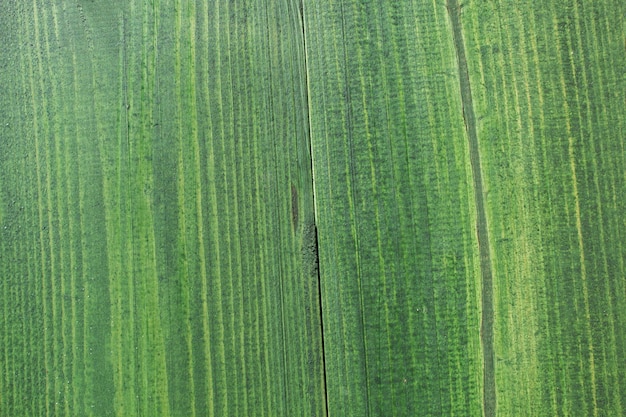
(314, 238)
(487, 319)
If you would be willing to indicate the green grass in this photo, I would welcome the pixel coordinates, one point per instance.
(274, 208)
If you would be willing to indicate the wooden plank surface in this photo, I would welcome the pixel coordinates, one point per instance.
(279, 208)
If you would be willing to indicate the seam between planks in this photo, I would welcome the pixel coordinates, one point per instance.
(314, 242)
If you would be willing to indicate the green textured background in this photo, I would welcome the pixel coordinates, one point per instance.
(165, 167)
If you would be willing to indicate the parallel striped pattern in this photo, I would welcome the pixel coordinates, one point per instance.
(398, 253)
(549, 92)
(165, 167)
(153, 264)
(392, 176)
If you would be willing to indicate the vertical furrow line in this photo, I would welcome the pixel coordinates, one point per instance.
(182, 267)
(266, 268)
(251, 157)
(530, 306)
(355, 131)
(133, 40)
(116, 293)
(556, 314)
(220, 239)
(278, 263)
(264, 271)
(352, 198)
(236, 136)
(307, 110)
(240, 135)
(613, 383)
(584, 104)
(572, 150)
(231, 159)
(388, 35)
(76, 295)
(25, 171)
(432, 182)
(204, 265)
(130, 382)
(487, 319)
(151, 53)
(227, 118)
(6, 250)
(196, 200)
(38, 172)
(4, 326)
(53, 226)
(64, 230)
(537, 122)
(7, 399)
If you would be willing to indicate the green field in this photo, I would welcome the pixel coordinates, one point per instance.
(312, 208)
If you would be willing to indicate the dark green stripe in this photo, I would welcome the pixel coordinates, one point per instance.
(486, 326)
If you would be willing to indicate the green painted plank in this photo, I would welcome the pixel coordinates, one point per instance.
(166, 168)
(553, 152)
(398, 256)
(550, 139)
(168, 272)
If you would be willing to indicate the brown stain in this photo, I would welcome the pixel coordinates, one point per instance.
(294, 206)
